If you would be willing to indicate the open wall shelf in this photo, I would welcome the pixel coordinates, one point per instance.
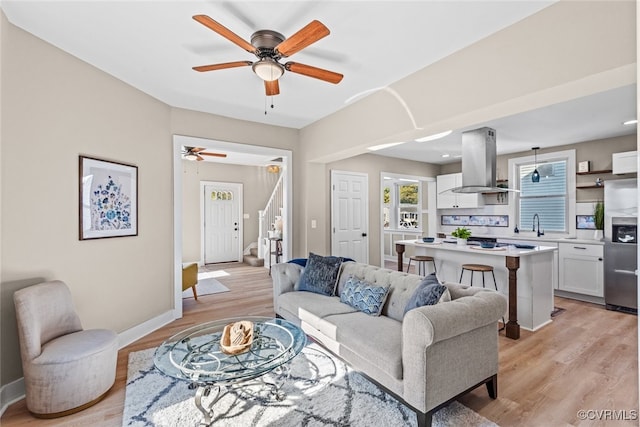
(600, 172)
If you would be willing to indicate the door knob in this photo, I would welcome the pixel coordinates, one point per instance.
(364, 234)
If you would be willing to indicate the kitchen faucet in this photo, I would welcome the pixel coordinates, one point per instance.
(540, 233)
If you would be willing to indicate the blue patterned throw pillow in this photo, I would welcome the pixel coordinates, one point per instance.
(320, 274)
(364, 296)
(428, 292)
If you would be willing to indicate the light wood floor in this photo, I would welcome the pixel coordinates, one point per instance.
(586, 359)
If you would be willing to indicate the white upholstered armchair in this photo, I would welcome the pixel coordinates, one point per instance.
(66, 369)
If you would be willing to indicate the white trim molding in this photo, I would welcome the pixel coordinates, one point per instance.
(14, 391)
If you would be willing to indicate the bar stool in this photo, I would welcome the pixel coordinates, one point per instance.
(421, 261)
(482, 269)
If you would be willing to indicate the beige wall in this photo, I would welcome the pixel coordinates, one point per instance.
(568, 50)
(598, 152)
(257, 187)
(51, 115)
(372, 165)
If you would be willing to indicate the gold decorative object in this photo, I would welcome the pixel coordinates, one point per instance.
(237, 337)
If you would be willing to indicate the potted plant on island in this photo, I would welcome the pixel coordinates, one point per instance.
(461, 234)
(598, 219)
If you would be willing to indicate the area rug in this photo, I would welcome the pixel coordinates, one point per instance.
(321, 391)
(206, 286)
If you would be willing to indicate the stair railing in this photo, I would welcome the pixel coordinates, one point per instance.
(267, 217)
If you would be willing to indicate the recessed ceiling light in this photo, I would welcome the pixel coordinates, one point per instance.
(444, 156)
(458, 156)
(383, 146)
(434, 136)
(630, 122)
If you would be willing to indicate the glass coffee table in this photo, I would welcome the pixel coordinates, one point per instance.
(195, 355)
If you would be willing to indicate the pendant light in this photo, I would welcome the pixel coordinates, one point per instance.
(535, 176)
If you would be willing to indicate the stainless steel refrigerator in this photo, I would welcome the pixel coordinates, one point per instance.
(620, 245)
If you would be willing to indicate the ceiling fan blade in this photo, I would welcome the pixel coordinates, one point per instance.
(272, 87)
(196, 149)
(199, 157)
(202, 153)
(317, 73)
(225, 32)
(310, 33)
(222, 66)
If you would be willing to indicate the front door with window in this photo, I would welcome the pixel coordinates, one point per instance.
(221, 227)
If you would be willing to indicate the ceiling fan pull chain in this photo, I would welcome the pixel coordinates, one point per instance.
(272, 102)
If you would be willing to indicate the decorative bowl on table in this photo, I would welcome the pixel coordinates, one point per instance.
(428, 239)
(237, 337)
(487, 245)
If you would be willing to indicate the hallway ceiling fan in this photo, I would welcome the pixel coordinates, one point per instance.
(269, 47)
(196, 153)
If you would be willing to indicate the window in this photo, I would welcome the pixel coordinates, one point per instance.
(551, 198)
(402, 207)
(409, 196)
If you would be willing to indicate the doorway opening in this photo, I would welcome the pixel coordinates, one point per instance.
(236, 154)
(407, 211)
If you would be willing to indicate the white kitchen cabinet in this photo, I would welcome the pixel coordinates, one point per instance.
(581, 269)
(448, 200)
(626, 162)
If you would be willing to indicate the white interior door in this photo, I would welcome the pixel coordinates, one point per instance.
(350, 215)
(221, 228)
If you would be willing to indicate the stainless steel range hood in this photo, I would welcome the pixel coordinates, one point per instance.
(479, 162)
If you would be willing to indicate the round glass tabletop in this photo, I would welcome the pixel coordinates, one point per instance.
(195, 354)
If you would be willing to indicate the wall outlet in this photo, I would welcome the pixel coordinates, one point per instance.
(245, 216)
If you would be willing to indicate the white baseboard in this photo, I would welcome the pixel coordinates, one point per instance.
(134, 334)
(14, 391)
(11, 393)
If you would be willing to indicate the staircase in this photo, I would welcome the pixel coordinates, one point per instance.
(267, 218)
(252, 259)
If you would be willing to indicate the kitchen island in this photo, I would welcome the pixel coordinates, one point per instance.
(524, 276)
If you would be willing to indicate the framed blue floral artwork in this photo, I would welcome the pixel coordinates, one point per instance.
(108, 199)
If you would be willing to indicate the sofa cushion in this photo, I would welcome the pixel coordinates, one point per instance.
(311, 307)
(428, 292)
(367, 336)
(320, 274)
(364, 296)
(402, 285)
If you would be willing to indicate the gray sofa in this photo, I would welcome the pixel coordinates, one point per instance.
(426, 358)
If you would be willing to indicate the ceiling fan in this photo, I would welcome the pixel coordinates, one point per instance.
(269, 47)
(196, 153)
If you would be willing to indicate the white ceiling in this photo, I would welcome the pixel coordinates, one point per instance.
(152, 46)
(589, 118)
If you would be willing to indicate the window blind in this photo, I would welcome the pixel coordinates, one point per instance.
(547, 198)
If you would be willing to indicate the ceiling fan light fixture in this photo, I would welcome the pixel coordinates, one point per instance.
(190, 156)
(268, 69)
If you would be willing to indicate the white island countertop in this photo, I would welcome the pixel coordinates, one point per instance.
(523, 275)
(511, 250)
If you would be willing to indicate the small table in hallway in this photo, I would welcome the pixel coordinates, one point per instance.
(277, 251)
(194, 355)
